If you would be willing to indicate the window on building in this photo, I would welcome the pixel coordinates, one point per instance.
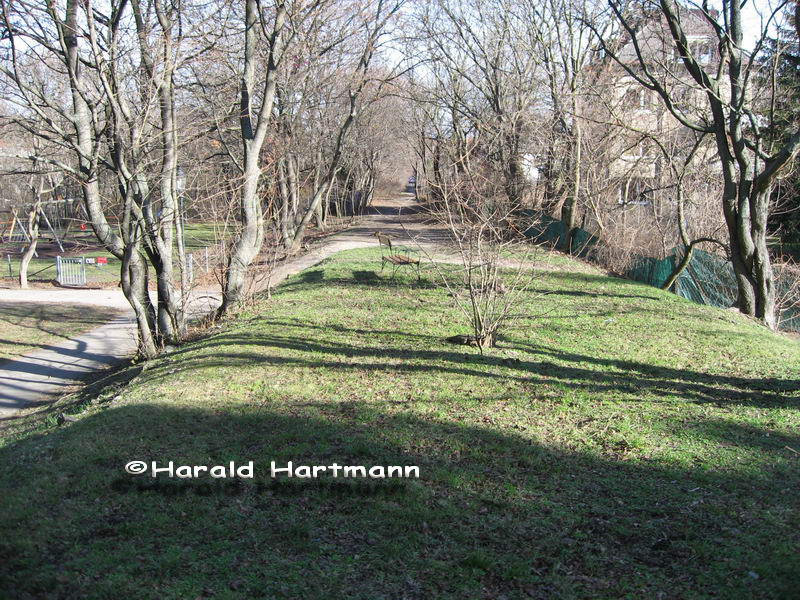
(700, 47)
(637, 150)
(702, 51)
(636, 191)
(636, 98)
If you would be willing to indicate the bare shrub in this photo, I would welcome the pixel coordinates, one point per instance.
(494, 263)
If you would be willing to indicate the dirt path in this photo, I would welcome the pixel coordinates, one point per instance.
(398, 218)
(39, 378)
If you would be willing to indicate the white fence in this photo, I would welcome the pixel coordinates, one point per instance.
(71, 271)
(77, 271)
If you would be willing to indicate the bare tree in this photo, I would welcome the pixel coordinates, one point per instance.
(49, 76)
(560, 33)
(750, 164)
(33, 240)
(481, 83)
(98, 83)
(375, 20)
(255, 112)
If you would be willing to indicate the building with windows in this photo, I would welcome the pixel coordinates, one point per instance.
(642, 152)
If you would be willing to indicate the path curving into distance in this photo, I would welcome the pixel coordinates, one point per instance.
(39, 378)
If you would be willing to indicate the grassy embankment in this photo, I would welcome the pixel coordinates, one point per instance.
(625, 443)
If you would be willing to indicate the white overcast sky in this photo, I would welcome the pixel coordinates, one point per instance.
(755, 14)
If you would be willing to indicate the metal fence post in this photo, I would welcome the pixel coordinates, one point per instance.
(10, 272)
(83, 269)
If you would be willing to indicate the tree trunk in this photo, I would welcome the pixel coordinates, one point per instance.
(25, 261)
(436, 193)
(746, 210)
(511, 166)
(171, 301)
(159, 227)
(688, 252)
(369, 193)
(297, 241)
(318, 212)
(553, 186)
(688, 247)
(319, 218)
(326, 180)
(33, 234)
(253, 133)
(287, 227)
(569, 208)
(248, 245)
(134, 283)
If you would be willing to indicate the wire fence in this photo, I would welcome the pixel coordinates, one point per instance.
(707, 279)
(202, 267)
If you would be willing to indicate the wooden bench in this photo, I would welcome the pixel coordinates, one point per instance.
(397, 260)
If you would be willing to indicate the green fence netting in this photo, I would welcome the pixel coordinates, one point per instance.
(788, 320)
(547, 230)
(652, 271)
(707, 279)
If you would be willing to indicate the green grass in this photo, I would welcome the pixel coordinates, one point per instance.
(26, 327)
(44, 268)
(38, 269)
(623, 444)
(201, 235)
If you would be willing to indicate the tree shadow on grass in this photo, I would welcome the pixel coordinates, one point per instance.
(495, 514)
(320, 277)
(45, 318)
(659, 373)
(372, 279)
(416, 354)
(582, 294)
(740, 435)
(94, 385)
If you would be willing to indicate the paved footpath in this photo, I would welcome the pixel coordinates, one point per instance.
(43, 376)
(40, 377)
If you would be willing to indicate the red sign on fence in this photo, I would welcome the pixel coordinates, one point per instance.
(102, 260)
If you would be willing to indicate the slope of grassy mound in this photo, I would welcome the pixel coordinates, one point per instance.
(623, 443)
